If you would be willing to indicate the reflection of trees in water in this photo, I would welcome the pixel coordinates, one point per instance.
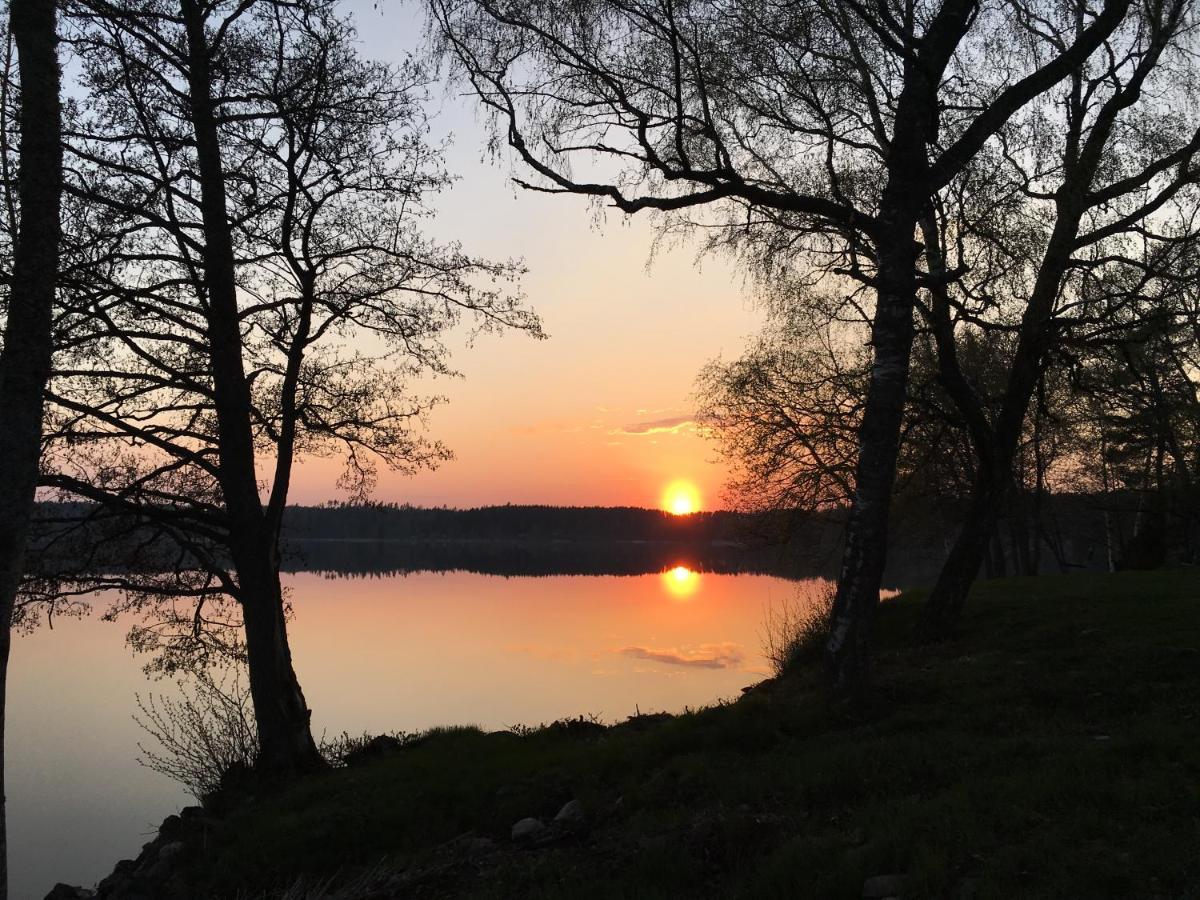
(525, 558)
(368, 558)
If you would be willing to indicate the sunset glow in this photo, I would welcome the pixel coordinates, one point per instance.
(681, 581)
(681, 498)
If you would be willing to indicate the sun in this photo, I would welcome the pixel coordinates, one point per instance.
(681, 498)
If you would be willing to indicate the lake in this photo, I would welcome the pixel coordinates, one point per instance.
(373, 654)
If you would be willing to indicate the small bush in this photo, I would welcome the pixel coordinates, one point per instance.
(345, 749)
(205, 733)
(797, 629)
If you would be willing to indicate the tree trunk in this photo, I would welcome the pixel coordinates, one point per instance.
(286, 745)
(847, 652)
(949, 594)
(1018, 524)
(285, 737)
(998, 553)
(25, 363)
(962, 566)
(903, 202)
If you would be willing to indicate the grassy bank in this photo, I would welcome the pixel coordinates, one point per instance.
(1053, 750)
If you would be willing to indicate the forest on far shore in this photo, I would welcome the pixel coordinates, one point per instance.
(1057, 533)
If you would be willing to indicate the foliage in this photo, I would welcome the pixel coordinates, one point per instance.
(344, 310)
(207, 734)
(204, 734)
(785, 414)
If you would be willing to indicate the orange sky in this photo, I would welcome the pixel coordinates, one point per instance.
(599, 413)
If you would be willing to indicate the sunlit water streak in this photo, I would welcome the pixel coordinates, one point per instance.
(374, 655)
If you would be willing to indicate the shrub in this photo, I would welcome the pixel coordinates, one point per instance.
(797, 629)
(205, 733)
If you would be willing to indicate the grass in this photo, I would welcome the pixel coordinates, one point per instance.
(1052, 750)
(798, 627)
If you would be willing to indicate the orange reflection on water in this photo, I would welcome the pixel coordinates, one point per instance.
(681, 581)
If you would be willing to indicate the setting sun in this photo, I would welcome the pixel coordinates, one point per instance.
(681, 498)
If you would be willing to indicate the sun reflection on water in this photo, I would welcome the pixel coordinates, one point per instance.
(681, 581)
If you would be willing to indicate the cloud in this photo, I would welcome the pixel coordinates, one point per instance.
(706, 656)
(673, 425)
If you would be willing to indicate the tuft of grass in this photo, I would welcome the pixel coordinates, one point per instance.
(366, 882)
(796, 629)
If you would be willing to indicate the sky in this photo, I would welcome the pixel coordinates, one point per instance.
(601, 412)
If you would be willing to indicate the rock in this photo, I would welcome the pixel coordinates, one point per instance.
(480, 846)
(571, 814)
(883, 886)
(168, 852)
(380, 745)
(193, 820)
(121, 874)
(174, 888)
(656, 843)
(528, 830)
(642, 720)
(158, 872)
(68, 892)
(171, 828)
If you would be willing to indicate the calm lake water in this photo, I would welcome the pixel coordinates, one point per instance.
(373, 654)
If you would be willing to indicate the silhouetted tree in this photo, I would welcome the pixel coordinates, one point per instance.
(786, 415)
(823, 130)
(266, 294)
(1137, 386)
(34, 232)
(1104, 165)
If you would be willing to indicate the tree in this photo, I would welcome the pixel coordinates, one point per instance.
(1106, 162)
(786, 413)
(821, 130)
(1137, 392)
(266, 293)
(31, 289)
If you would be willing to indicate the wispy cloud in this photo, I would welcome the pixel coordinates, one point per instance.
(706, 656)
(673, 425)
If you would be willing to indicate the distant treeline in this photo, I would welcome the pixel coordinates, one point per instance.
(1069, 532)
(515, 523)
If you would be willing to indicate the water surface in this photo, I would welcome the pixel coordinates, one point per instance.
(373, 654)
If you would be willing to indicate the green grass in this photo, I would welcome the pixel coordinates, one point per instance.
(1052, 750)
